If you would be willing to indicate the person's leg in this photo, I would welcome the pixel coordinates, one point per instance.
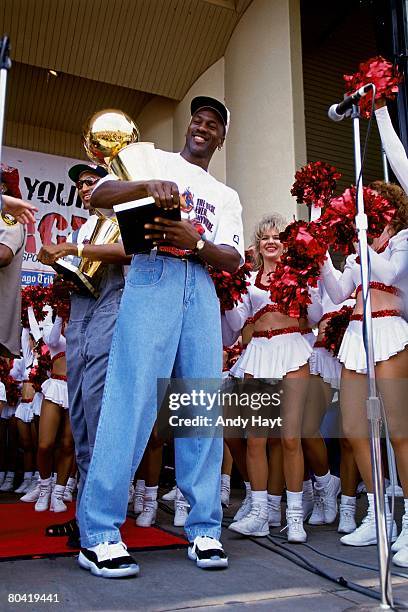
(26, 443)
(226, 469)
(143, 349)
(49, 424)
(198, 459)
(318, 399)
(65, 454)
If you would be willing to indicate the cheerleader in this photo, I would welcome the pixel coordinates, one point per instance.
(24, 411)
(277, 352)
(388, 257)
(326, 371)
(54, 419)
(8, 437)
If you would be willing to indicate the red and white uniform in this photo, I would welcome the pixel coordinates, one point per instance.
(389, 274)
(24, 410)
(55, 388)
(322, 362)
(270, 354)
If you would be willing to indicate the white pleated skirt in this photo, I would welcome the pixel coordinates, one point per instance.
(37, 402)
(236, 371)
(3, 397)
(8, 412)
(323, 363)
(390, 336)
(56, 391)
(24, 412)
(310, 338)
(273, 358)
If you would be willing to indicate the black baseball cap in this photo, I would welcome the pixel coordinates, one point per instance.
(200, 102)
(75, 172)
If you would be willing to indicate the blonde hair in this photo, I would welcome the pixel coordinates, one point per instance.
(268, 222)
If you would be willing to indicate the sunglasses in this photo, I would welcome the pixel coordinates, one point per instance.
(88, 181)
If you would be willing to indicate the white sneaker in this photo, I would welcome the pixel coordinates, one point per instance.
(57, 501)
(147, 518)
(25, 485)
(2, 477)
(244, 509)
(402, 540)
(225, 494)
(180, 509)
(401, 557)
(208, 553)
(347, 522)
(138, 498)
(308, 502)
(294, 520)
(43, 500)
(131, 493)
(397, 491)
(108, 560)
(325, 503)
(7, 484)
(361, 488)
(255, 523)
(366, 534)
(69, 490)
(274, 515)
(32, 494)
(171, 495)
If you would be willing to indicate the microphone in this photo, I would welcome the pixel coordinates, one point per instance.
(337, 111)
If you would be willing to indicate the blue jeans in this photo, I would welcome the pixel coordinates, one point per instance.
(89, 336)
(168, 324)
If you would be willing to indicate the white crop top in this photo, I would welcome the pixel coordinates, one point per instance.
(389, 267)
(258, 298)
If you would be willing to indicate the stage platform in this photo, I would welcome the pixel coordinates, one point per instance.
(258, 579)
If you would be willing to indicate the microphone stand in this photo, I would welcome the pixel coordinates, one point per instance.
(5, 65)
(373, 401)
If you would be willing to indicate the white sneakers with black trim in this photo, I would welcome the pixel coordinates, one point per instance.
(208, 553)
(108, 560)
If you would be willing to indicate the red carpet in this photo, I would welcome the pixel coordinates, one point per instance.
(22, 533)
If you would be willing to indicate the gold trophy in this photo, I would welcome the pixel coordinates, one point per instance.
(84, 273)
(112, 140)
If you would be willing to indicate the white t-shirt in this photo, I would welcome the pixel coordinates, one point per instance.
(214, 205)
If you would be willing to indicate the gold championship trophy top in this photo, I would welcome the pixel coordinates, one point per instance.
(112, 140)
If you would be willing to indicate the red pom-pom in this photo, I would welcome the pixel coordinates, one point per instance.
(335, 329)
(60, 300)
(233, 353)
(379, 71)
(36, 296)
(299, 268)
(39, 373)
(11, 385)
(315, 183)
(230, 287)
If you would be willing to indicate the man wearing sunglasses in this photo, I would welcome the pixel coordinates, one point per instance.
(89, 332)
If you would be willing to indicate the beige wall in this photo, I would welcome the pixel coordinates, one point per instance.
(263, 89)
(210, 83)
(156, 122)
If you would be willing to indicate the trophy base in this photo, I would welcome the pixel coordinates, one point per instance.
(70, 272)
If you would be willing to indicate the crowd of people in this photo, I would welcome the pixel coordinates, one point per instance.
(157, 317)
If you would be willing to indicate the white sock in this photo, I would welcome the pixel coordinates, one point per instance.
(274, 500)
(226, 480)
(151, 493)
(323, 481)
(260, 497)
(345, 500)
(140, 485)
(247, 488)
(28, 475)
(59, 490)
(294, 499)
(371, 506)
(71, 482)
(46, 481)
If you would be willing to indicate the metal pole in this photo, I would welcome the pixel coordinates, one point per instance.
(5, 65)
(373, 402)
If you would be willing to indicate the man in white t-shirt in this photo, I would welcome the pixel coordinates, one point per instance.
(168, 325)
